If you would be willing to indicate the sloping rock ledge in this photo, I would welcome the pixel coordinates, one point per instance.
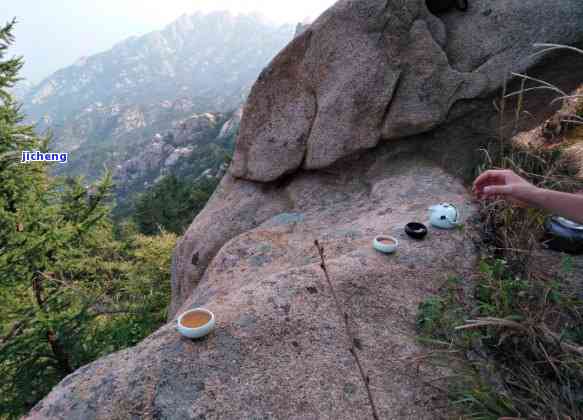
(279, 350)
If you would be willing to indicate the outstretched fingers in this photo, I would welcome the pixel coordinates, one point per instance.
(494, 190)
(489, 178)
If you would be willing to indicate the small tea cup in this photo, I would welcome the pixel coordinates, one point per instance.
(191, 323)
(386, 244)
(416, 230)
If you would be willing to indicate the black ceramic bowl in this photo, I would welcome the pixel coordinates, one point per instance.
(416, 230)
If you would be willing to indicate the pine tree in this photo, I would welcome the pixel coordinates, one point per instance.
(70, 292)
(14, 138)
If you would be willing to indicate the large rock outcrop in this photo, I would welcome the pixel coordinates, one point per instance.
(279, 350)
(372, 114)
(373, 70)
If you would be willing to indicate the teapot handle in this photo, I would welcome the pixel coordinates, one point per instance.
(457, 222)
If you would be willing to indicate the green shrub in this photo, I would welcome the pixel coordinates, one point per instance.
(520, 356)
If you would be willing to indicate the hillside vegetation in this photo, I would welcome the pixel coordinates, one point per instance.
(71, 289)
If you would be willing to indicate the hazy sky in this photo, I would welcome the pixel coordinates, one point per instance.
(55, 33)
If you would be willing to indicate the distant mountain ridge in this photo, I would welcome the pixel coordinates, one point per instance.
(197, 64)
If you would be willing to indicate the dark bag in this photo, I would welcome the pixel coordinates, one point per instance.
(563, 235)
(440, 6)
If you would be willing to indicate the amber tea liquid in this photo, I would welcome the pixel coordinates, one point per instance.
(195, 319)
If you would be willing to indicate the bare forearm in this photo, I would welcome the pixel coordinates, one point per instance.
(562, 204)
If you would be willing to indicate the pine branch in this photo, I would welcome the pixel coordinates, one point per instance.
(57, 348)
(100, 309)
(14, 331)
(19, 326)
(353, 342)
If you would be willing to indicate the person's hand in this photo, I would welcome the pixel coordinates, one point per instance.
(504, 183)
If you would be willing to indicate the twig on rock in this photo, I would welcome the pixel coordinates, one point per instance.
(543, 331)
(353, 343)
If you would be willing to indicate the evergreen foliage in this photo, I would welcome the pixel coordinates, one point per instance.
(70, 290)
(172, 204)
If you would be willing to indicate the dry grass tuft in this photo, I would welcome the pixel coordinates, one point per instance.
(515, 334)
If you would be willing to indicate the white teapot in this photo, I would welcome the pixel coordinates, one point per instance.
(444, 216)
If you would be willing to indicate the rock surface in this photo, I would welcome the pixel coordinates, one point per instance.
(365, 71)
(369, 71)
(279, 350)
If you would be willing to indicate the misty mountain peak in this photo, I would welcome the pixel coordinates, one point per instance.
(210, 58)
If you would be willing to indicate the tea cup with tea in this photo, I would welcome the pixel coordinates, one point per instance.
(196, 323)
(386, 244)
